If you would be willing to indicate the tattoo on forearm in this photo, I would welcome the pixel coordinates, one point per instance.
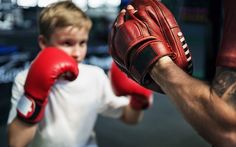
(224, 84)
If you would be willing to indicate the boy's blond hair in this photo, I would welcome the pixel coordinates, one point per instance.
(62, 14)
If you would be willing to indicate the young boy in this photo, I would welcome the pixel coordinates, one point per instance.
(56, 101)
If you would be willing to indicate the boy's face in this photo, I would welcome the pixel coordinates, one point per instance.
(71, 40)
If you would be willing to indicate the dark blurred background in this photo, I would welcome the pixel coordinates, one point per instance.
(163, 125)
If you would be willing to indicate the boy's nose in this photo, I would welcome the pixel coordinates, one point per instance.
(76, 52)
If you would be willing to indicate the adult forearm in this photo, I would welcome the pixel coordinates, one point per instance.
(20, 134)
(208, 113)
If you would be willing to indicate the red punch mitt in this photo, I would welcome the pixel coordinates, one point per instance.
(140, 37)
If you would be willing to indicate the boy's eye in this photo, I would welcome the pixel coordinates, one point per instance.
(67, 43)
(83, 42)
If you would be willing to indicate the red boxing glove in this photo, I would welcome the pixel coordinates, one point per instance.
(122, 86)
(47, 67)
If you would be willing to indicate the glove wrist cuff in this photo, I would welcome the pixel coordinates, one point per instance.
(30, 110)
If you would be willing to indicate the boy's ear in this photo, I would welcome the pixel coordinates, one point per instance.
(42, 41)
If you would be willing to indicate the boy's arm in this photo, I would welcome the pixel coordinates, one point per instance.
(31, 105)
(211, 110)
(20, 134)
(131, 116)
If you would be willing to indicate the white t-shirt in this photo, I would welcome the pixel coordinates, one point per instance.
(73, 107)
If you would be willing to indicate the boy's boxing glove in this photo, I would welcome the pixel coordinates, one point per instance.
(141, 98)
(50, 64)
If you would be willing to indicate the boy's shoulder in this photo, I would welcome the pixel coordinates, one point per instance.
(22, 74)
